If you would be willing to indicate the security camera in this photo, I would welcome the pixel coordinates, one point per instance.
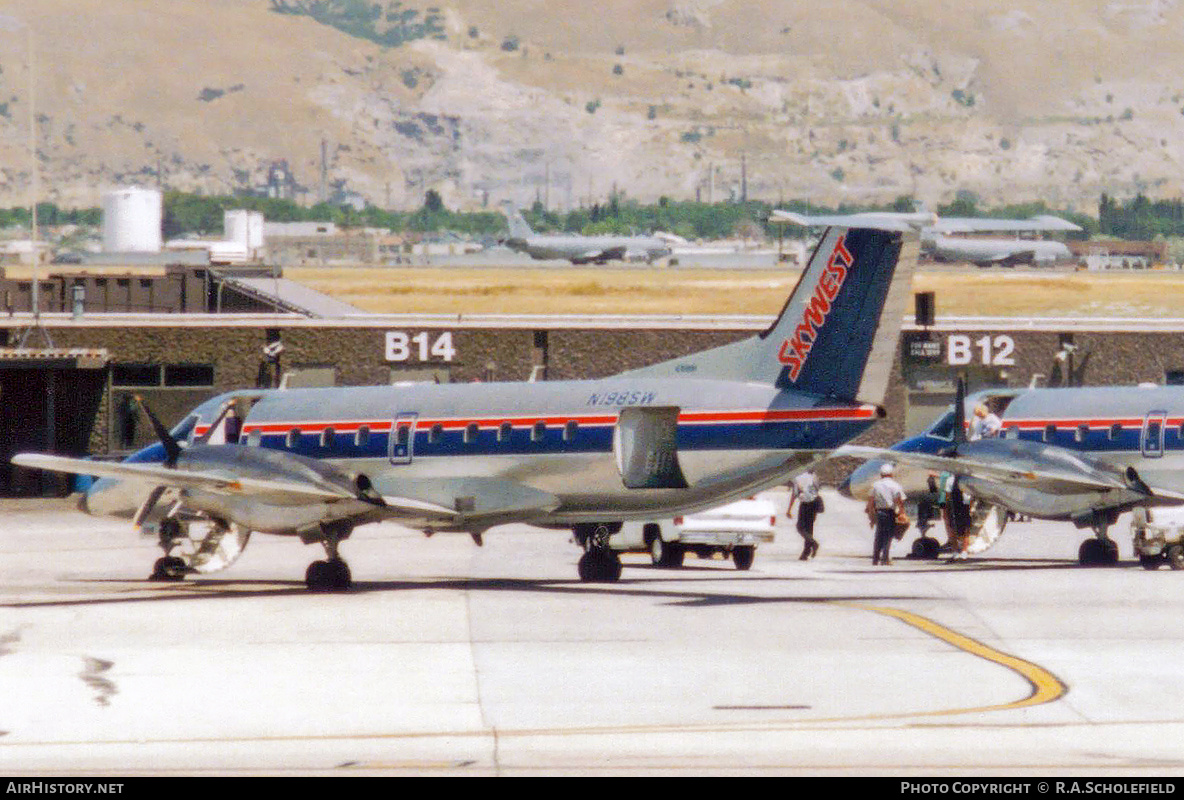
(273, 350)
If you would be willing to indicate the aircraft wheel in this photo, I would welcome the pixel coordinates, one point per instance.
(328, 576)
(599, 566)
(168, 568)
(743, 556)
(1151, 562)
(1109, 552)
(1176, 556)
(1094, 553)
(612, 567)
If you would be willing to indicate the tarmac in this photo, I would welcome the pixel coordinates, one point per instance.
(451, 659)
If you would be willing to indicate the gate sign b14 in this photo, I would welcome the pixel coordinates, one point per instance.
(400, 346)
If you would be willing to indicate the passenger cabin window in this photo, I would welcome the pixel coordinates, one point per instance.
(254, 438)
(569, 430)
(503, 431)
(362, 436)
(1050, 432)
(538, 431)
(1115, 431)
(293, 438)
(435, 433)
(327, 437)
(471, 431)
(1011, 432)
(1082, 433)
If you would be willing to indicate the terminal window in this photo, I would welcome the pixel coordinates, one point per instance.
(189, 375)
(135, 375)
(171, 375)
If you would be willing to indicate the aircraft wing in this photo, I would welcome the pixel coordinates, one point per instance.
(1044, 222)
(881, 220)
(160, 475)
(1047, 479)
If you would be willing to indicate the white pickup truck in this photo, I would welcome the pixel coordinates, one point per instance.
(734, 530)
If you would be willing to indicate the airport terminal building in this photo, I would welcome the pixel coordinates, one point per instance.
(70, 388)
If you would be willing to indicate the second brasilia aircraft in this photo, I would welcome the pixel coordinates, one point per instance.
(1081, 454)
(583, 455)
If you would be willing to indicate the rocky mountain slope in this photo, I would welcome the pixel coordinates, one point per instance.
(486, 100)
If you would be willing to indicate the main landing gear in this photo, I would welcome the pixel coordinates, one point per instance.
(170, 567)
(332, 574)
(599, 563)
(1101, 551)
(196, 545)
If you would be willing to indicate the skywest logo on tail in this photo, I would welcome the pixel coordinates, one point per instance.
(794, 351)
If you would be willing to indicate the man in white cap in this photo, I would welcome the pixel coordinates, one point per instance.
(985, 425)
(888, 500)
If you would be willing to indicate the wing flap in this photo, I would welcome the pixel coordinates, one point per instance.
(462, 500)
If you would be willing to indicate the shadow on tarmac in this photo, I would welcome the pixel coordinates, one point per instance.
(144, 591)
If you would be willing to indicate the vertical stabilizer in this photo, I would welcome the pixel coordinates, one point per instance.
(519, 228)
(837, 334)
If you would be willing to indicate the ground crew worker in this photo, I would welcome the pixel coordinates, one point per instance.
(985, 424)
(888, 501)
(805, 489)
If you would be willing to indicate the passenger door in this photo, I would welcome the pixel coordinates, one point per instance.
(1152, 436)
(402, 439)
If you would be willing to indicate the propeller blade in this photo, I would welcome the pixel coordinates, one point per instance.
(960, 413)
(171, 449)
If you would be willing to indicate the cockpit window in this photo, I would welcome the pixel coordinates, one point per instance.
(943, 428)
(184, 429)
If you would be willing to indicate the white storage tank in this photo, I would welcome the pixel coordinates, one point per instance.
(245, 228)
(131, 220)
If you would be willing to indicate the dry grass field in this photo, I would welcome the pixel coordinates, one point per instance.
(731, 291)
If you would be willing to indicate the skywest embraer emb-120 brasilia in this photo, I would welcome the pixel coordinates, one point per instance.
(680, 436)
(1083, 454)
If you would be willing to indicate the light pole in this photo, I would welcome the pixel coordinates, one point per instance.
(12, 24)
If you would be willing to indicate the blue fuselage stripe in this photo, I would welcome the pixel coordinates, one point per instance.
(779, 435)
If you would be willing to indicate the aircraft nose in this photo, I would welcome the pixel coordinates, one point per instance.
(858, 485)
